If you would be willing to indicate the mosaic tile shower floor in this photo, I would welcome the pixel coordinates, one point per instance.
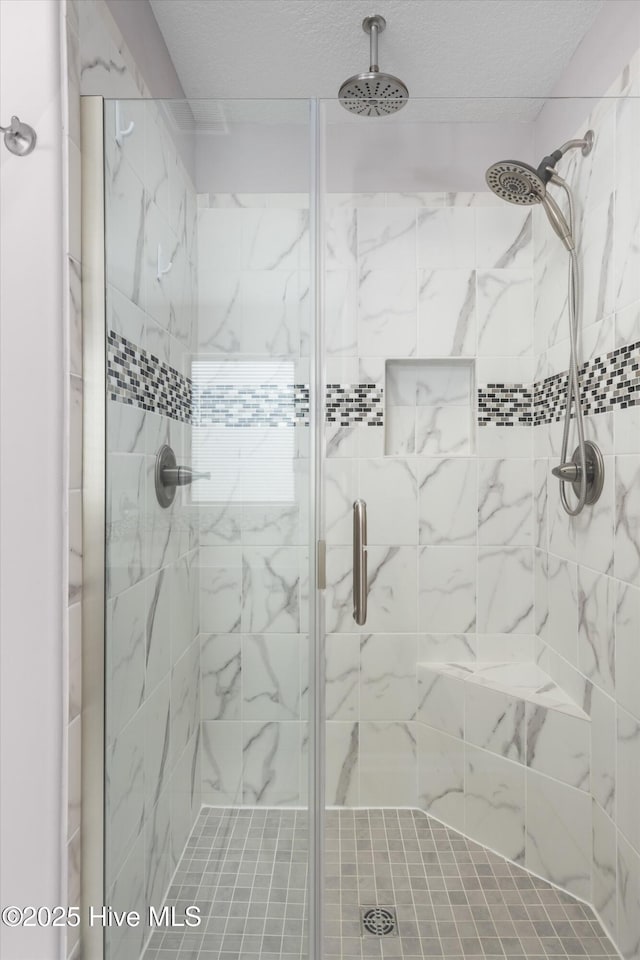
(246, 870)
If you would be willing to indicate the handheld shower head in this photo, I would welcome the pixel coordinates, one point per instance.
(558, 221)
(373, 94)
(517, 182)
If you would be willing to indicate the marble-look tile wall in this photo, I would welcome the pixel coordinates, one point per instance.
(504, 741)
(426, 282)
(587, 569)
(253, 328)
(421, 297)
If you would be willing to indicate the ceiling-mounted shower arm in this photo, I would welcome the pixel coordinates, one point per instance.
(374, 27)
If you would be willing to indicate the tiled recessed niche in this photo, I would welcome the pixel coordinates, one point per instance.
(430, 409)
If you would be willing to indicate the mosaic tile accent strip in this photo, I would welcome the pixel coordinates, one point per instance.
(139, 379)
(263, 404)
(505, 405)
(348, 404)
(273, 405)
(606, 382)
(247, 871)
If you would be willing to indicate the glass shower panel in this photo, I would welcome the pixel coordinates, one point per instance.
(208, 270)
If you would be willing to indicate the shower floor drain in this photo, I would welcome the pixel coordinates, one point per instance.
(378, 922)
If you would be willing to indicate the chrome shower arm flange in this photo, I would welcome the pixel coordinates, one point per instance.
(587, 146)
(369, 22)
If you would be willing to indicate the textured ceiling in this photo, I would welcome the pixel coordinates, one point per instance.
(440, 48)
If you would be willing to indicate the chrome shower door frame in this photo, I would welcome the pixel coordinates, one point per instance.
(93, 523)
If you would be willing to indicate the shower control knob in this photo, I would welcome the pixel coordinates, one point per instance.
(567, 472)
(570, 472)
(168, 476)
(181, 476)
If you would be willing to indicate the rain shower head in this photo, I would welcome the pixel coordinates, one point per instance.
(373, 94)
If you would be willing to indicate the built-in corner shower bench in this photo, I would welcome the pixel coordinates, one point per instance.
(502, 749)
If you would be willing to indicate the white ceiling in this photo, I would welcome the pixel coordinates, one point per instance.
(440, 48)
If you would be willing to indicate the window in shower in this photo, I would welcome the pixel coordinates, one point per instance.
(244, 426)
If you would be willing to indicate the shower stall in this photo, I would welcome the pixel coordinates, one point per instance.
(351, 686)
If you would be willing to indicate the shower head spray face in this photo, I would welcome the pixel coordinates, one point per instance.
(373, 94)
(516, 182)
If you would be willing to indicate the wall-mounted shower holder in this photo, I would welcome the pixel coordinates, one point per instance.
(162, 271)
(122, 132)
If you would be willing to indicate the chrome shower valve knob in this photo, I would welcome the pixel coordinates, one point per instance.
(567, 472)
(169, 476)
(571, 471)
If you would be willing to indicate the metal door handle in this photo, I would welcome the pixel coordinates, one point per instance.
(360, 562)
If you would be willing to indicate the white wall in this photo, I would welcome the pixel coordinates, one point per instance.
(32, 509)
(601, 57)
(141, 33)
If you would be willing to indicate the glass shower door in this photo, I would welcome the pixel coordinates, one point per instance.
(208, 342)
(468, 795)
